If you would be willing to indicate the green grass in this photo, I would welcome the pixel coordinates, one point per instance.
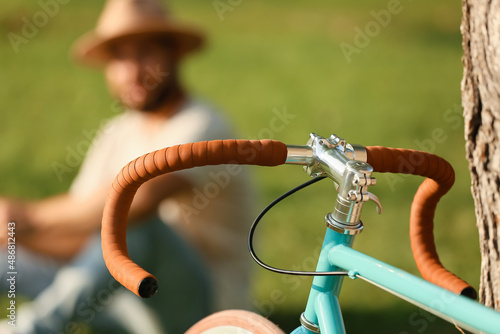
(264, 56)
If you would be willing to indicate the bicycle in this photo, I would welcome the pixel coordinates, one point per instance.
(350, 167)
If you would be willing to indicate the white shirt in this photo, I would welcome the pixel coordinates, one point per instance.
(213, 216)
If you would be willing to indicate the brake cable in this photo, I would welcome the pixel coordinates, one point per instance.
(263, 213)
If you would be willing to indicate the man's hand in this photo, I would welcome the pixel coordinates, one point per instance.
(12, 211)
(53, 241)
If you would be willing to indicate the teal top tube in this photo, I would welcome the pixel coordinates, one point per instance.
(322, 314)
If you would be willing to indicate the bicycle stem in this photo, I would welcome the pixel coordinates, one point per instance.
(350, 166)
(346, 165)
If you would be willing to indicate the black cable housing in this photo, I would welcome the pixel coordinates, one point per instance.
(262, 214)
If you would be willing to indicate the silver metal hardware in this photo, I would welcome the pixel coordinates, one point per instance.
(352, 193)
(356, 152)
(329, 156)
(299, 155)
(375, 199)
(346, 165)
(351, 229)
(308, 325)
(364, 181)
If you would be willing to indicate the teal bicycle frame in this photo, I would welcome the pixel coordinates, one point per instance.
(323, 308)
(334, 158)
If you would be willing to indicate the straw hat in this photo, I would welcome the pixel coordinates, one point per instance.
(121, 19)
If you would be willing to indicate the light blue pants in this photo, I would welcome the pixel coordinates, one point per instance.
(82, 294)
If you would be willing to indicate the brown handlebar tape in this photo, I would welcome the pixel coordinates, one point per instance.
(440, 178)
(148, 166)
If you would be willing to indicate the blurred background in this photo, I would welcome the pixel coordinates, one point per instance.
(374, 72)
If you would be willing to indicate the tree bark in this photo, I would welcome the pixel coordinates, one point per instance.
(481, 103)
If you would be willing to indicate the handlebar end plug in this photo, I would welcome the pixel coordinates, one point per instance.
(469, 292)
(148, 287)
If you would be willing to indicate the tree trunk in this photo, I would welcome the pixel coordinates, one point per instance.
(481, 103)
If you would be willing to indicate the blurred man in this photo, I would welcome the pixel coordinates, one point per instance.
(205, 269)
